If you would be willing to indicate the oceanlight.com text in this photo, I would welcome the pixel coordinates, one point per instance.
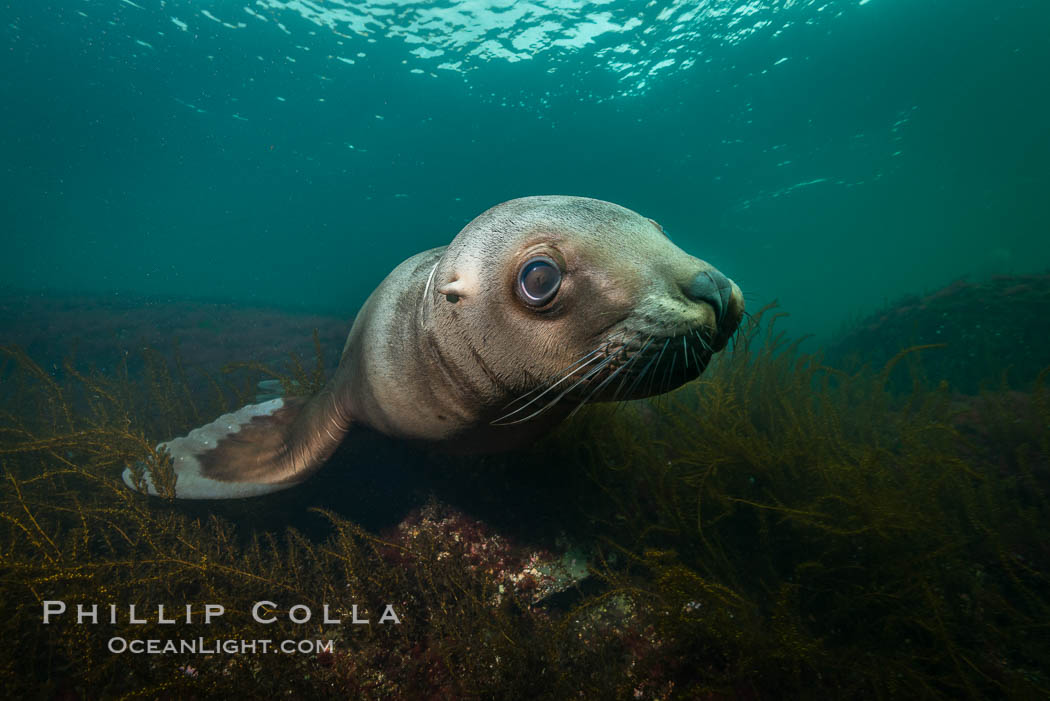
(231, 646)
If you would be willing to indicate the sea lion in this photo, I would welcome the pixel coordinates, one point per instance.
(538, 306)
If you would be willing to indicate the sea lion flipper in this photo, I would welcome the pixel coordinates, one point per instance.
(258, 449)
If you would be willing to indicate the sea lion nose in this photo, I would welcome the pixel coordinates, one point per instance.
(712, 287)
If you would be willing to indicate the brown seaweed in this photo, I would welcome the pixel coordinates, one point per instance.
(778, 529)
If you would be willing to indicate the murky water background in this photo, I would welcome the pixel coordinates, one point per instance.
(830, 154)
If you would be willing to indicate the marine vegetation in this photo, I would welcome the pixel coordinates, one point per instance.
(777, 529)
(992, 329)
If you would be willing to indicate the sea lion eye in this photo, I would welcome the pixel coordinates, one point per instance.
(538, 281)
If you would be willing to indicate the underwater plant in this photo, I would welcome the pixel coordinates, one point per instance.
(990, 330)
(777, 529)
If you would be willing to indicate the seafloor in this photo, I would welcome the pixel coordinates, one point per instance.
(865, 523)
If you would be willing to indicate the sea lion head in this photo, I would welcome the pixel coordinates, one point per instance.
(581, 300)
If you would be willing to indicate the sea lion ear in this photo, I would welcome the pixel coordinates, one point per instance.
(455, 289)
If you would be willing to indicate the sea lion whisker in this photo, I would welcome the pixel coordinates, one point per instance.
(642, 374)
(696, 358)
(604, 382)
(546, 389)
(704, 343)
(633, 359)
(564, 374)
(601, 347)
(670, 368)
(625, 347)
(593, 371)
(666, 343)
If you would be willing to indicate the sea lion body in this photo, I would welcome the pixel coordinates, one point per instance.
(538, 306)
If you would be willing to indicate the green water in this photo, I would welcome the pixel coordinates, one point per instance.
(832, 155)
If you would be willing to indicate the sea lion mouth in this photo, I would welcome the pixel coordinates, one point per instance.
(647, 364)
(624, 365)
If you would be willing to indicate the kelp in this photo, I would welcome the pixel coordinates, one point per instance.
(777, 529)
